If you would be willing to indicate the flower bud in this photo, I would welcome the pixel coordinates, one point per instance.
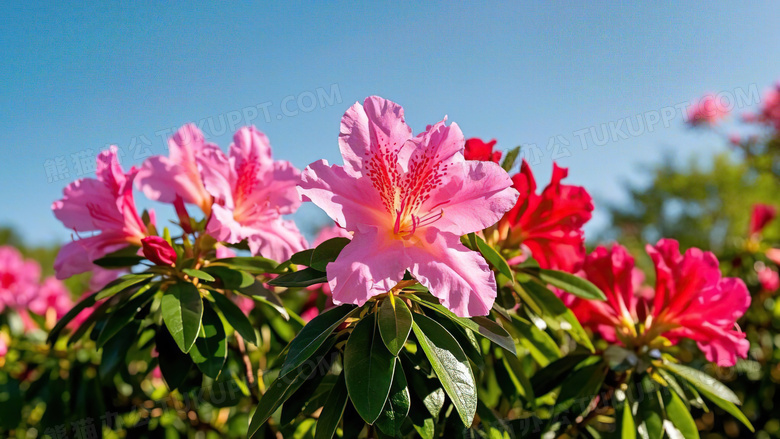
(158, 250)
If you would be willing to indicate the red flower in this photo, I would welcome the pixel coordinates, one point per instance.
(762, 215)
(158, 250)
(691, 300)
(476, 149)
(548, 224)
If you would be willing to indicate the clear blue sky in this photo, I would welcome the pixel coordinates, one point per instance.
(75, 78)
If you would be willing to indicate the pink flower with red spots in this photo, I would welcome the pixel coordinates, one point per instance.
(407, 200)
(103, 205)
(251, 194)
(690, 300)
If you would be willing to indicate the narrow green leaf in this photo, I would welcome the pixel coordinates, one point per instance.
(522, 383)
(262, 294)
(300, 278)
(302, 257)
(182, 309)
(126, 257)
(314, 334)
(199, 274)
(70, 315)
(494, 257)
(651, 424)
(573, 284)
(368, 369)
(231, 278)
(450, 364)
(235, 317)
(397, 404)
(254, 264)
(122, 316)
(327, 252)
(627, 427)
(555, 312)
(509, 159)
(542, 347)
(123, 283)
(580, 387)
(680, 416)
(395, 323)
(551, 376)
(332, 411)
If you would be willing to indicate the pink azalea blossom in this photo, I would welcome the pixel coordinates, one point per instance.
(690, 300)
(768, 278)
(178, 176)
(52, 295)
(251, 193)
(408, 200)
(770, 108)
(102, 205)
(310, 309)
(761, 215)
(708, 111)
(18, 278)
(773, 254)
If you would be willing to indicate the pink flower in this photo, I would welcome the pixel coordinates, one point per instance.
(773, 254)
(548, 224)
(770, 109)
(18, 278)
(104, 204)
(3, 345)
(690, 300)
(761, 215)
(178, 176)
(157, 250)
(52, 295)
(407, 200)
(251, 193)
(330, 232)
(708, 111)
(768, 278)
(476, 149)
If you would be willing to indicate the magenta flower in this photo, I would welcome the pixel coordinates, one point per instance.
(18, 278)
(407, 201)
(768, 278)
(690, 300)
(760, 216)
(178, 176)
(157, 250)
(251, 193)
(708, 111)
(52, 295)
(102, 205)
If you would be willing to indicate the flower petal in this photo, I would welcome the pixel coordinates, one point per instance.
(276, 240)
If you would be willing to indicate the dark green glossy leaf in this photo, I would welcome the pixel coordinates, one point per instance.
(572, 284)
(210, 349)
(519, 378)
(368, 369)
(123, 315)
(302, 257)
(551, 376)
(123, 283)
(650, 416)
(235, 317)
(314, 334)
(580, 387)
(300, 278)
(254, 264)
(541, 346)
(126, 257)
(397, 404)
(174, 364)
(679, 414)
(327, 252)
(70, 315)
(199, 274)
(450, 364)
(182, 309)
(333, 410)
(230, 278)
(395, 323)
(494, 257)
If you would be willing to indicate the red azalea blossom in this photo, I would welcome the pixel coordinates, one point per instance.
(476, 149)
(762, 215)
(548, 224)
(158, 250)
(690, 300)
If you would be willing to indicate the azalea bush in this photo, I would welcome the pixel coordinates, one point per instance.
(449, 297)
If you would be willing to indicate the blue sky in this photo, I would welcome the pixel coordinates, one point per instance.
(77, 78)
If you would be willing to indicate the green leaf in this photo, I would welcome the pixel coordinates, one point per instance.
(712, 389)
(450, 364)
(395, 323)
(302, 257)
(123, 283)
(282, 388)
(314, 334)
(580, 387)
(551, 376)
(262, 294)
(368, 369)
(198, 274)
(235, 317)
(300, 278)
(509, 159)
(649, 413)
(174, 364)
(327, 252)
(126, 257)
(397, 404)
(70, 315)
(231, 278)
(122, 316)
(182, 309)
(494, 257)
(680, 416)
(254, 264)
(210, 349)
(332, 411)
(541, 346)
(554, 312)
(627, 427)
(521, 381)
(479, 325)
(573, 284)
